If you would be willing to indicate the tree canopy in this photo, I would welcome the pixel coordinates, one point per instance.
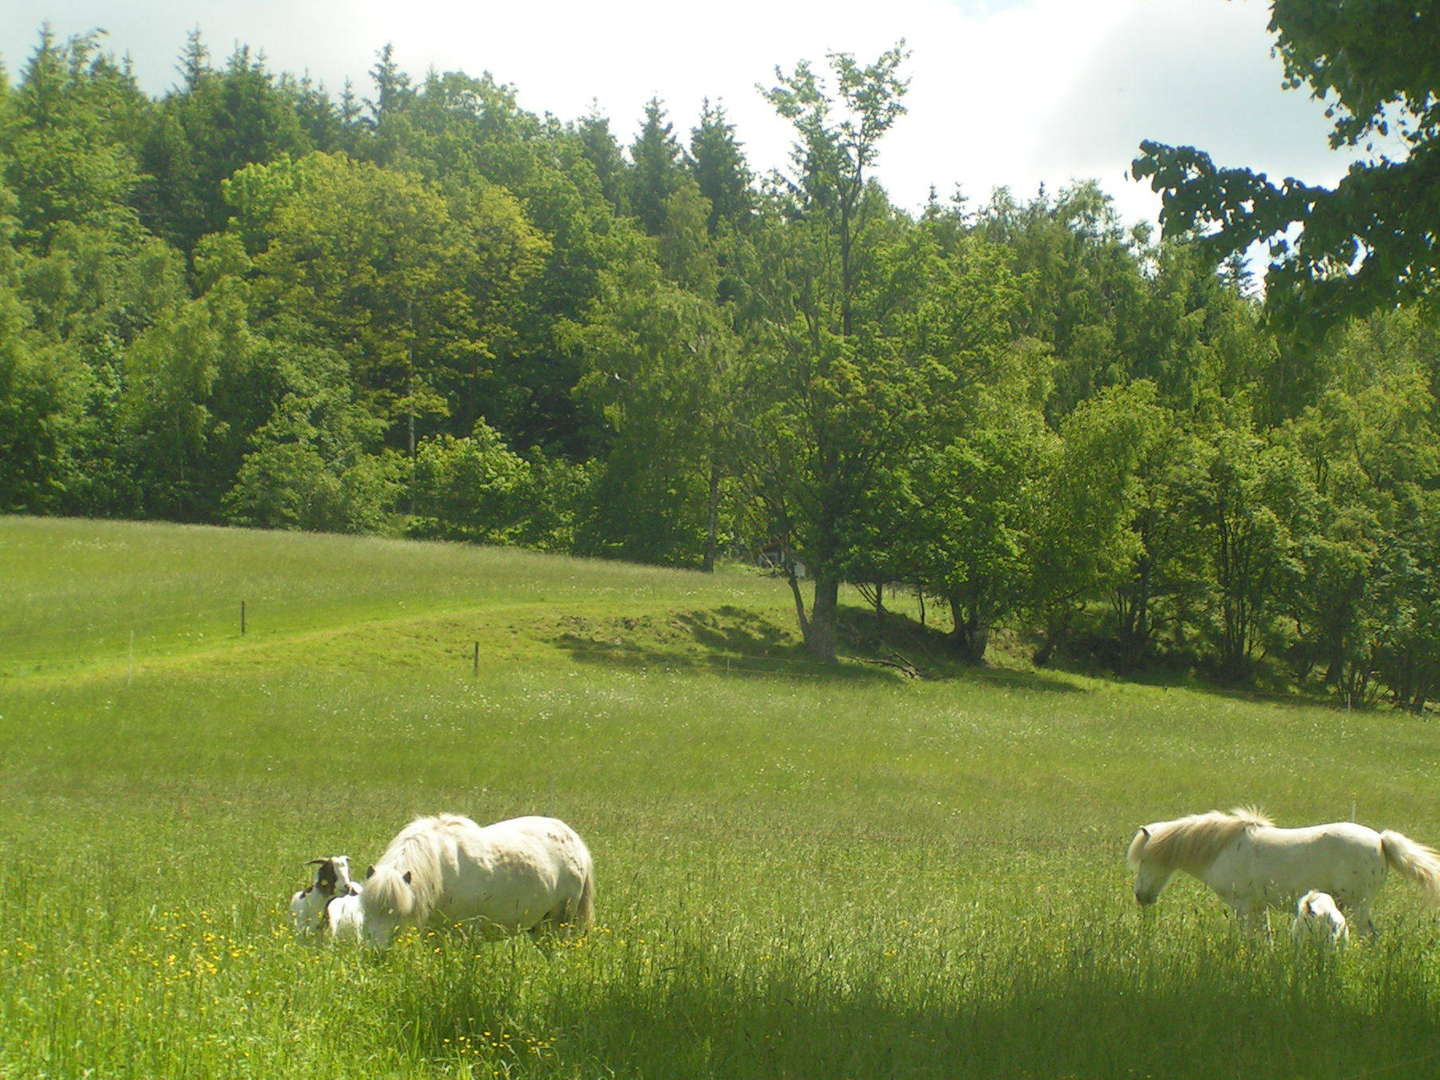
(1370, 242)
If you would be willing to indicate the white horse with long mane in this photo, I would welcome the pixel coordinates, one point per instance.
(528, 873)
(1254, 866)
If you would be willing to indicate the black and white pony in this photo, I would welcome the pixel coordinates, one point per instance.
(330, 904)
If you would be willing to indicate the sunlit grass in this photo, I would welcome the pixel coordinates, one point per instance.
(799, 875)
(77, 594)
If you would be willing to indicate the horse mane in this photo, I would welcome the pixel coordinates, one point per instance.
(1193, 842)
(419, 850)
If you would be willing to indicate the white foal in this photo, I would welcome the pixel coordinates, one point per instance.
(1318, 923)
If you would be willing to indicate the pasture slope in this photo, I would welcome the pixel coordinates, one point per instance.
(802, 873)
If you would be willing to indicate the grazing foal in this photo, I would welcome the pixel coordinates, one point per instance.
(1318, 923)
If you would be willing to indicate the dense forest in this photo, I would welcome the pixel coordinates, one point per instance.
(427, 312)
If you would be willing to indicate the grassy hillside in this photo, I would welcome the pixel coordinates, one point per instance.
(802, 872)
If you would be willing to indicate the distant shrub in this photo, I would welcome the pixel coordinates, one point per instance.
(468, 489)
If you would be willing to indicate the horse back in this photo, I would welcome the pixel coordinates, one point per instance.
(538, 839)
(1341, 858)
(516, 871)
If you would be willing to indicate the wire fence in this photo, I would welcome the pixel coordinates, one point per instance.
(88, 641)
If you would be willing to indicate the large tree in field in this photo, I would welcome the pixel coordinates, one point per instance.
(827, 378)
(1371, 241)
(855, 365)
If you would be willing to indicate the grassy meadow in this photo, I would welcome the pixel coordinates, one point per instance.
(801, 872)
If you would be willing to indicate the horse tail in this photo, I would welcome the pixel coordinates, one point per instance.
(584, 915)
(1417, 862)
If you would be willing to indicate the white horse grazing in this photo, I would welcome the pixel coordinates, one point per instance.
(529, 873)
(1253, 865)
(1318, 923)
(330, 903)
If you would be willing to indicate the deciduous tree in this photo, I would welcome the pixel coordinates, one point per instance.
(1370, 241)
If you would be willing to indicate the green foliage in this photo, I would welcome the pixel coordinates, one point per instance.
(1406, 649)
(214, 125)
(969, 476)
(96, 284)
(1084, 541)
(1153, 607)
(41, 401)
(255, 194)
(68, 154)
(976, 507)
(1369, 445)
(1369, 241)
(1254, 501)
(461, 133)
(466, 489)
(1084, 285)
(414, 289)
(845, 378)
(662, 365)
(315, 462)
(554, 494)
(720, 170)
(601, 149)
(658, 168)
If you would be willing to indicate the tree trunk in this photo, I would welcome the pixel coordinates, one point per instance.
(713, 518)
(820, 637)
(1335, 668)
(800, 616)
(1057, 632)
(971, 634)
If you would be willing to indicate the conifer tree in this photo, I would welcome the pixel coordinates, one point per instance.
(658, 168)
(601, 149)
(719, 167)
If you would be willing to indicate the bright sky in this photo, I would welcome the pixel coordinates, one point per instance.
(1002, 92)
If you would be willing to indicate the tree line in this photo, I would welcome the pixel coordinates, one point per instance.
(428, 312)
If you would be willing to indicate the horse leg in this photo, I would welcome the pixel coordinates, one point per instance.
(1254, 920)
(1359, 918)
(544, 932)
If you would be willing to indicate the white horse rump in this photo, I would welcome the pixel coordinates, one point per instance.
(529, 873)
(1253, 865)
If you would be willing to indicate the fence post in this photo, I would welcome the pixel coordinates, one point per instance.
(242, 618)
(475, 668)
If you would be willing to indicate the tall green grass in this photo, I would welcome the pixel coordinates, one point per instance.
(800, 873)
